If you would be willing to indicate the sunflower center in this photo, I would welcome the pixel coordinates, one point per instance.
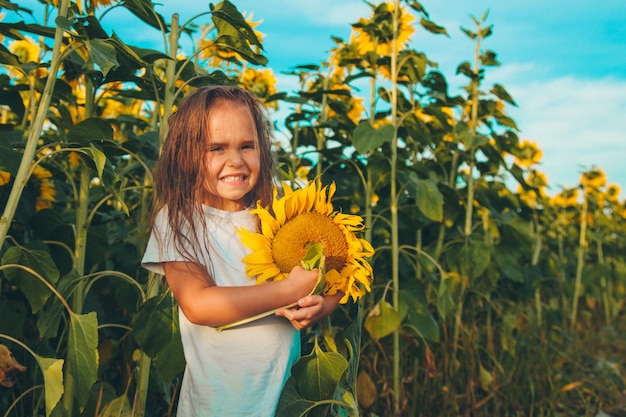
(297, 235)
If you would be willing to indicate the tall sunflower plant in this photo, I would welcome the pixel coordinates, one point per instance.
(302, 228)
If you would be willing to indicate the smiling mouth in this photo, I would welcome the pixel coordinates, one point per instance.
(238, 178)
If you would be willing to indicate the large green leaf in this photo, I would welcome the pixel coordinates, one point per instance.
(31, 286)
(508, 265)
(9, 158)
(156, 330)
(470, 260)
(89, 130)
(291, 403)
(52, 313)
(382, 320)
(419, 320)
(103, 55)
(229, 21)
(318, 373)
(82, 355)
(144, 10)
(428, 197)
(366, 138)
(119, 407)
(52, 370)
(234, 33)
(313, 382)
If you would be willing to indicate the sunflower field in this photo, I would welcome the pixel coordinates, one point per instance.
(490, 297)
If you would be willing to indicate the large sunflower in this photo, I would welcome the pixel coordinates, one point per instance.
(298, 220)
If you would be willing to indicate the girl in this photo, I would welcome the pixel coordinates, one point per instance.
(215, 164)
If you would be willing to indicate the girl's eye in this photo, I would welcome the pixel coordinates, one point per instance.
(215, 148)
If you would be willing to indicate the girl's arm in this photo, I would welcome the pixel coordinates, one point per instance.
(206, 304)
(311, 309)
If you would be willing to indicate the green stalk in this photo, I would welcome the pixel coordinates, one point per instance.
(170, 79)
(320, 133)
(582, 247)
(80, 250)
(21, 178)
(605, 287)
(145, 362)
(394, 209)
(469, 205)
(534, 262)
(442, 225)
(469, 208)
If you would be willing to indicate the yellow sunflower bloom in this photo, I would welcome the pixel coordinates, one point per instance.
(47, 190)
(365, 42)
(566, 198)
(300, 219)
(261, 82)
(612, 193)
(594, 178)
(27, 49)
(5, 177)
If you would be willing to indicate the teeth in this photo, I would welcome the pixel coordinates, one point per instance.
(233, 179)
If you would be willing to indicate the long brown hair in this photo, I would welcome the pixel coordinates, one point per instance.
(180, 172)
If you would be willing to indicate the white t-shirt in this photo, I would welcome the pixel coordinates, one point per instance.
(239, 371)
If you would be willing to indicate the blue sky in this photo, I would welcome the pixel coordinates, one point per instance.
(564, 62)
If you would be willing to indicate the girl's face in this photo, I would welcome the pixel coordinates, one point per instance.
(233, 157)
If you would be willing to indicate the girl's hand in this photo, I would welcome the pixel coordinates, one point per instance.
(302, 281)
(310, 310)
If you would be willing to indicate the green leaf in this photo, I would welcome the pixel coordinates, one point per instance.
(144, 10)
(90, 130)
(82, 355)
(507, 339)
(445, 303)
(314, 258)
(52, 370)
(234, 33)
(118, 407)
(366, 138)
(508, 265)
(318, 373)
(156, 330)
(488, 59)
(432, 27)
(7, 58)
(428, 197)
(52, 314)
(419, 321)
(291, 403)
(227, 12)
(31, 286)
(382, 320)
(9, 158)
(413, 65)
(103, 55)
(500, 92)
(471, 260)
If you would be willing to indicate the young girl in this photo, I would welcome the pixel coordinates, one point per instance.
(216, 163)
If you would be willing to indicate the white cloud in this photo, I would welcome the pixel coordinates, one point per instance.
(576, 123)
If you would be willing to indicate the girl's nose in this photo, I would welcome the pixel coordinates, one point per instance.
(235, 159)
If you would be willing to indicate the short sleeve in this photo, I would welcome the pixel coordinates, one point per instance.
(160, 246)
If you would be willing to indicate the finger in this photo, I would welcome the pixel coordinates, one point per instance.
(310, 300)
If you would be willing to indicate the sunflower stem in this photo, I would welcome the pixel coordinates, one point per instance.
(397, 395)
(21, 178)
